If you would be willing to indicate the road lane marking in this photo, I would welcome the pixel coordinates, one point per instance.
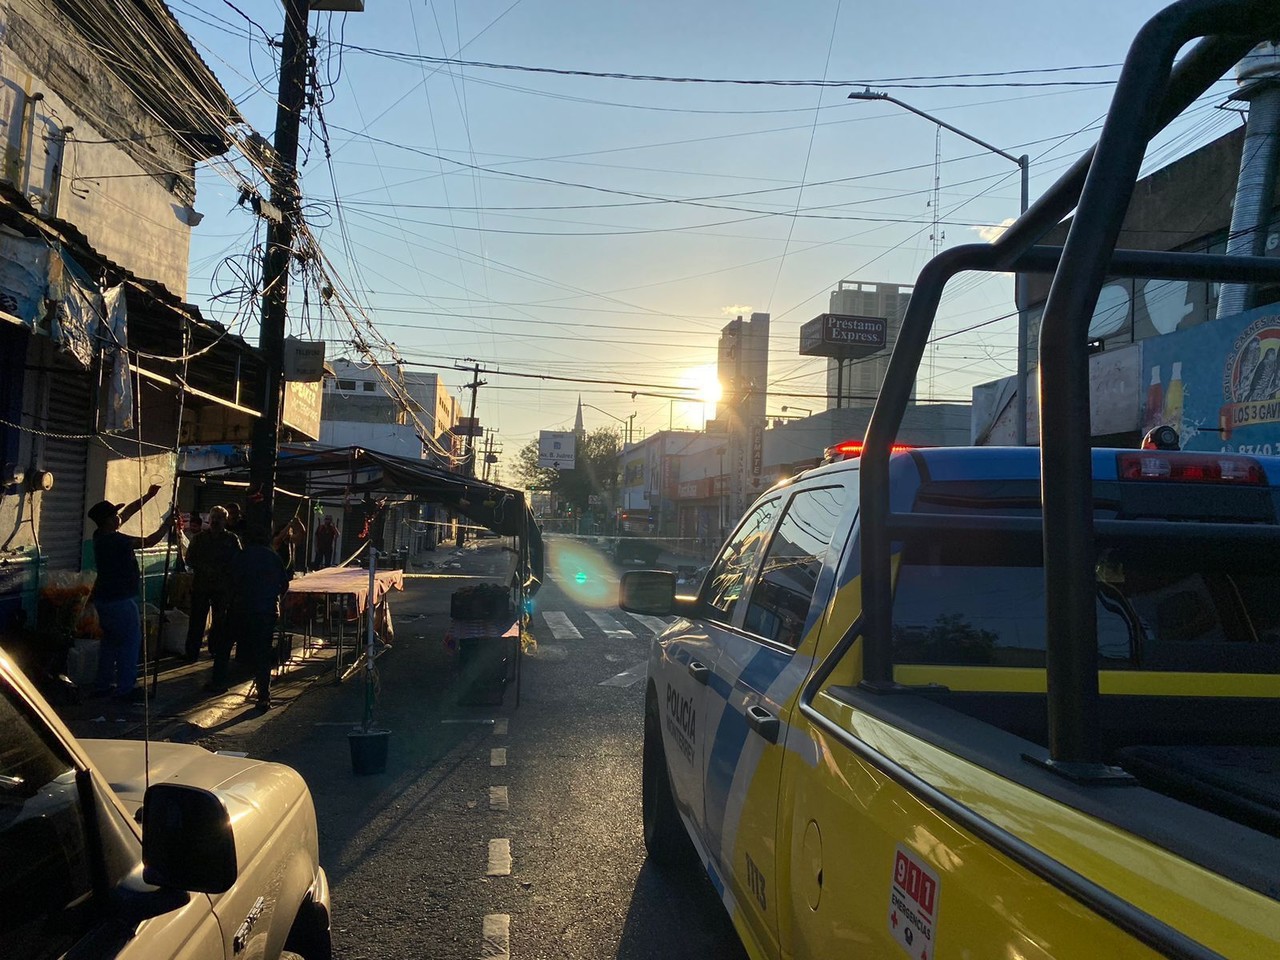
(561, 628)
(498, 757)
(498, 799)
(629, 677)
(655, 624)
(495, 937)
(499, 858)
(500, 727)
(611, 627)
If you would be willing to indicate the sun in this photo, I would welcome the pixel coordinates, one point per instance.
(704, 382)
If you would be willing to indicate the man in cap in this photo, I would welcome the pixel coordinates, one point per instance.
(115, 593)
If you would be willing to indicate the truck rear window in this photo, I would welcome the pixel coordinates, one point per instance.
(1153, 614)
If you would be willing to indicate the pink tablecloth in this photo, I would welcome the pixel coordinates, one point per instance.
(352, 582)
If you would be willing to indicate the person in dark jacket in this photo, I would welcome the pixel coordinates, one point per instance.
(212, 556)
(326, 537)
(260, 581)
(115, 594)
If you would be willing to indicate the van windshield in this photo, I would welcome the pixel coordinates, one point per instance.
(1152, 615)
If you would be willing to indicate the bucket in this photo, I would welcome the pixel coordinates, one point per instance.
(368, 751)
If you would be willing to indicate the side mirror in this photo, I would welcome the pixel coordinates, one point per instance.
(187, 841)
(651, 592)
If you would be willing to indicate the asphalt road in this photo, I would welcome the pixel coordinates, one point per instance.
(417, 857)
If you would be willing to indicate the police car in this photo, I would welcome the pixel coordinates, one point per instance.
(836, 820)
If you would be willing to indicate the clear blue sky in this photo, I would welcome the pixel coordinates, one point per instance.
(458, 246)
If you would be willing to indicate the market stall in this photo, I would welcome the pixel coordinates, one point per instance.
(349, 586)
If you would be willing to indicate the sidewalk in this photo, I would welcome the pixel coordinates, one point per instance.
(179, 709)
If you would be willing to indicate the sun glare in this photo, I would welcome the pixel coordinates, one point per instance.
(705, 382)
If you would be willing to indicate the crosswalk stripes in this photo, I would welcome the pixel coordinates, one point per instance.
(608, 625)
(560, 626)
(618, 626)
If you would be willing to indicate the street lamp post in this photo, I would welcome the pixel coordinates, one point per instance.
(807, 411)
(1019, 286)
(627, 420)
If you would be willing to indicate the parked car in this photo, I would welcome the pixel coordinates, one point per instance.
(216, 857)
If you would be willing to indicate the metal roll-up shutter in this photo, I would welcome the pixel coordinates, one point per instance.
(70, 411)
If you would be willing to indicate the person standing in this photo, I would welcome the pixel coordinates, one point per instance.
(212, 557)
(326, 538)
(286, 542)
(115, 594)
(260, 581)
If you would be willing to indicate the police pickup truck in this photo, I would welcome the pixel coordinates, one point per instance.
(217, 858)
(839, 821)
(952, 704)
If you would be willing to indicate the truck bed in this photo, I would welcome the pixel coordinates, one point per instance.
(1214, 804)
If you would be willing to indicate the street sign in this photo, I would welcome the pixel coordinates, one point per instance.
(556, 449)
(303, 360)
(468, 427)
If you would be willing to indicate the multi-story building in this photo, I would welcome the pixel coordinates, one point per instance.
(856, 383)
(103, 368)
(405, 414)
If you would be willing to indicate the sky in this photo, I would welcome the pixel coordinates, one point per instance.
(588, 228)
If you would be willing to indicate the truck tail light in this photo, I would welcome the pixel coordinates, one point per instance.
(852, 449)
(1191, 468)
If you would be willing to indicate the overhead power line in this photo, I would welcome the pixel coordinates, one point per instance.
(934, 80)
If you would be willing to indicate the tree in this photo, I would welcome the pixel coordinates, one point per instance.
(596, 470)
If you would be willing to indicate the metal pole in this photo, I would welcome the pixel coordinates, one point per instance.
(368, 645)
(275, 270)
(1020, 301)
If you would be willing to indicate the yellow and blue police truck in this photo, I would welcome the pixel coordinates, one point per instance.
(963, 703)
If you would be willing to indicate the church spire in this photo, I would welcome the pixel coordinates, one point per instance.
(578, 428)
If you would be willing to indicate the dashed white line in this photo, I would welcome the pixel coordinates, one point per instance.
(628, 677)
(500, 727)
(560, 626)
(655, 624)
(498, 799)
(499, 858)
(498, 757)
(495, 937)
(611, 627)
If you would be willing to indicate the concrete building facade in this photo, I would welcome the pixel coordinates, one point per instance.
(103, 369)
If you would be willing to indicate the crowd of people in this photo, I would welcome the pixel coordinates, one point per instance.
(237, 582)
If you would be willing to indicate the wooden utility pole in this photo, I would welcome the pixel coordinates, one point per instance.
(275, 269)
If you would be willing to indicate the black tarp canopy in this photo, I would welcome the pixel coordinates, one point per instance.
(337, 471)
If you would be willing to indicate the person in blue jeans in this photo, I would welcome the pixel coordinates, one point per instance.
(115, 594)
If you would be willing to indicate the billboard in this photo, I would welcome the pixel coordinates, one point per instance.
(843, 336)
(1217, 384)
(556, 449)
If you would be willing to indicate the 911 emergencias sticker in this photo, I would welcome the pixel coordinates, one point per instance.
(913, 905)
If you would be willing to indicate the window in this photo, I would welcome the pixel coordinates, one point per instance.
(45, 886)
(370, 386)
(780, 601)
(1152, 613)
(725, 582)
(346, 384)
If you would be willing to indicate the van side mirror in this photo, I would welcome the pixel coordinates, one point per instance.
(187, 841)
(651, 592)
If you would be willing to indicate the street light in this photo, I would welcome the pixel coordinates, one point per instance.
(807, 411)
(1019, 287)
(626, 420)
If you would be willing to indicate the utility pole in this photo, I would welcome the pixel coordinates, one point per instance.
(469, 463)
(275, 270)
(469, 460)
(488, 453)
